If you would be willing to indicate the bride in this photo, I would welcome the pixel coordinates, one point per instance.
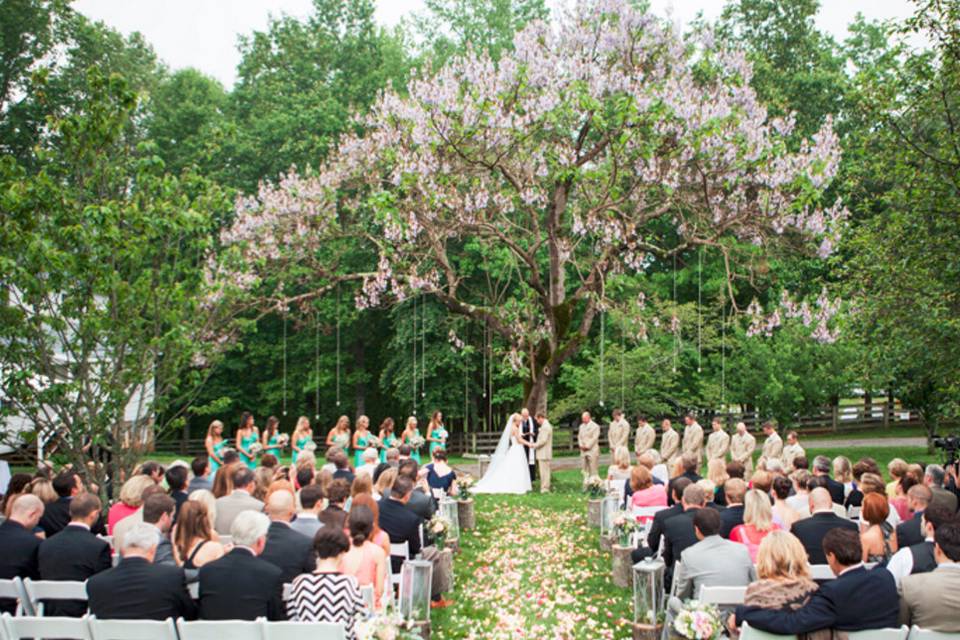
(508, 471)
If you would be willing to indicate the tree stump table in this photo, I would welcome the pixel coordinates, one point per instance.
(593, 512)
(465, 514)
(622, 566)
(642, 631)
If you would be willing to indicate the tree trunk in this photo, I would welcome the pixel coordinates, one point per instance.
(536, 401)
(360, 389)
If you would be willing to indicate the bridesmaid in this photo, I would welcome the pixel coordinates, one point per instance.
(361, 440)
(436, 434)
(408, 434)
(387, 438)
(215, 444)
(339, 436)
(302, 434)
(246, 436)
(271, 437)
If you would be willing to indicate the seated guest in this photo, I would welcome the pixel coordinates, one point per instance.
(862, 467)
(717, 474)
(843, 473)
(153, 470)
(712, 561)
(305, 476)
(76, 553)
(689, 464)
(619, 471)
(158, 511)
(18, 544)
(193, 537)
(757, 522)
(223, 479)
(206, 498)
(710, 490)
(678, 533)
(361, 484)
(782, 511)
(897, 468)
(239, 500)
(933, 477)
(131, 499)
(366, 561)
(400, 523)
(877, 537)
(379, 537)
(810, 531)
(643, 460)
(931, 600)
(289, 550)
(18, 485)
(821, 468)
(656, 527)
(326, 595)
(241, 586)
(136, 517)
(644, 492)
(440, 476)
(420, 503)
(371, 460)
(900, 499)
(176, 477)
(734, 489)
(382, 487)
(762, 480)
(910, 532)
(403, 453)
(56, 515)
(856, 600)
(342, 471)
(137, 588)
(308, 518)
(800, 500)
(334, 515)
(200, 466)
(919, 557)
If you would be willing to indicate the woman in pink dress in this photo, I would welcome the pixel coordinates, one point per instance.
(131, 499)
(757, 522)
(365, 560)
(645, 493)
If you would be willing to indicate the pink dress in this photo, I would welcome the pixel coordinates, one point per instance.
(750, 536)
(118, 512)
(653, 496)
(361, 563)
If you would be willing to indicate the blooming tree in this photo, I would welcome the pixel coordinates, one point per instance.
(514, 192)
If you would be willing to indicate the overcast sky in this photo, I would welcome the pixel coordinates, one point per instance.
(203, 33)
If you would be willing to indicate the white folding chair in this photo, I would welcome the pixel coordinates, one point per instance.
(366, 592)
(194, 590)
(398, 550)
(39, 590)
(722, 596)
(41, 628)
(821, 572)
(674, 583)
(300, 630)
(916, 633)
(749, 633)
(646, 512)
(220, 629)
(115, 559)
(287, 590)
(132, 629)
(891, 633)
(420, 531)
(853, 513)
(13, 589)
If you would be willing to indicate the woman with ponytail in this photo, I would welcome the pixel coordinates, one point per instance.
(366, 561)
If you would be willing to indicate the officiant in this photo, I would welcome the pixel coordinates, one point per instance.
(528, 432)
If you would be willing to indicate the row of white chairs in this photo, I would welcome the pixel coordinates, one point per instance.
(90, 628)
(903, 633)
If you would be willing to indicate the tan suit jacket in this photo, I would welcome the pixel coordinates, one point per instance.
(932, 600)
(618, 433)
(772, 447)
(790, 452)
(693, 440)
(229, 507)
(589, 438)
(646, 437)
(741, 450)
(717, 445)
(544, 443)
(669, 445)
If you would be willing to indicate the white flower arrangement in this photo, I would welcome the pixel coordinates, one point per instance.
(255, 449)
(417, 441)
(389, 625)
(465, 484)
(439, 527)
(283, 439)
(311, 446)
(698, 621)
(596, 487)
(624, 523)
(374, 441)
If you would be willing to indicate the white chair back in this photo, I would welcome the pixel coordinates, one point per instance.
(399, 550)
(821, 572)
(38, 590)
(880, 634)
(219, 629)
(722, 595)
(675, 583)
(13, 589)
(226, 539)
(45, 628)
(132, 629)
(749, 633)
(366, 592)
(853, 512)
(916, 633)
(420, 531)
(646, 513)
(194, 590)
(287, 590)
(300, 630)
(115, 559)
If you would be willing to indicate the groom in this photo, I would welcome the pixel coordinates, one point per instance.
(528, 433)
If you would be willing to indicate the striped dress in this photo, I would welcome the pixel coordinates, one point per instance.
(326, 597)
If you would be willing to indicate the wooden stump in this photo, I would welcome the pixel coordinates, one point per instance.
(642, 631)
(422, 629)
(593, 512)
(606, 542)
(465, 514)
(622, 566)
(443, 572)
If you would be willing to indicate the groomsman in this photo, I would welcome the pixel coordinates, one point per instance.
(618, 434)
(544, 447)
(528, 431)
(772, 446)
(669, 444)
(692, 437)
(718, 443)
(589, 440)
(646, 437)
(792, 451)
(742, 446)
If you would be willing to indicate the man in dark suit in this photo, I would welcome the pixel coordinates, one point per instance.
(734, 490)
(810, 531)
(241, 586)
(287, 549)
(678, 532)
(656, 527)
(856, 600)
(138, 589)
(57, 514)
(911, 532)
(18, 545)
(420, 502)
(690, 466)
(529, 431)
(342, 464)
(821, 467)
(75, 553)
(933, 477)
(334, 515)
(400, 523)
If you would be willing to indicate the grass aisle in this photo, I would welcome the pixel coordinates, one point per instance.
(533, 569)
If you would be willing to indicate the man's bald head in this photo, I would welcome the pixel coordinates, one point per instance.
(820, 500)
(27, 509)
(281, 506)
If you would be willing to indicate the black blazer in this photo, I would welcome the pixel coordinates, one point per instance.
(72, 554)
(240, 586)
(421, 504)
(859, 599)
(678, 534)
(656, 527)
(56, 516)
(344, 474)
(289, 550)
(810, 532)
(730, 518)
(18, 557)
(138, 589)
(402, 525)
(689, 475)
(910, 533)
(836, 490)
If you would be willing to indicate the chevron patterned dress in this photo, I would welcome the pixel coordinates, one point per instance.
(326, 597)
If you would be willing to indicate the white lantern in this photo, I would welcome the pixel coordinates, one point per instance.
(608, 511)
(647, 590)
(450, 510)
(416, 582)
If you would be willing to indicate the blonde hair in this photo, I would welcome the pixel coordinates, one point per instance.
(621, 457)
(303, 425)
(131, 493)
(781, 555)
(896, 468)
(757, 510)
(363, 420)
(207, 499)
(306, 459)
(214, 425)
(361, 484)
(842, 469)
(343, 422)
(411, 423)
(385, 480)
(43, 489)
(717, 471)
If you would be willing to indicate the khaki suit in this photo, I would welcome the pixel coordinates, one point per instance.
(741, 450)
(932, 600)
(619, 434)
(717, 445)
(791, 452)
(229, 507)
(544, 453)
(670, 446)
(646, 437)
(589, 438)
(693, 440)
(772, 448)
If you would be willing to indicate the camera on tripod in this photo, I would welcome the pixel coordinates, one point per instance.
(950, 445)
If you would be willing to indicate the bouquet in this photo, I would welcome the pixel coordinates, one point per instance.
(311, 446)
(438, 527)
(624, 524)
(443, 434)
(596, 487)
(416, 442)
(389, 625)
(255, 449)
(698, 621)
(374, 441)
(283, 440)
(465, 484)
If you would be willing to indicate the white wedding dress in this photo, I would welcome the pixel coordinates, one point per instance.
(508, 471)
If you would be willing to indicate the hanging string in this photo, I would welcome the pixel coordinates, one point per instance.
(466, 367)
(338, 344)
(723, 353)
(423, 350)
(483, 351)
(675, 326)
(283, 319)
(414, 355)
(700, 310)
(601, 354)
(316, 367)
(623, 359)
